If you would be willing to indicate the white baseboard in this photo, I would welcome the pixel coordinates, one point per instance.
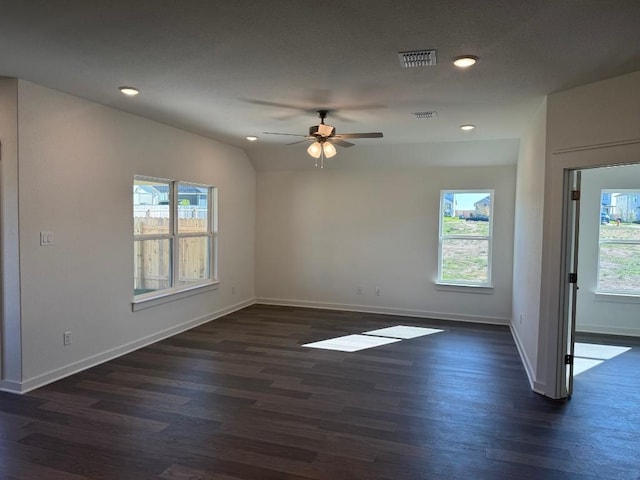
(10, 386)
(524, 358)
(59, 373)
(540, 387)
(383, 310)
(608, 330)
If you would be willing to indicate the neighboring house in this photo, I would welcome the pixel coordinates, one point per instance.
(145, 195)
(465, 213)
(448, 208)
(188, 195)
(483, 207)
(627, 206)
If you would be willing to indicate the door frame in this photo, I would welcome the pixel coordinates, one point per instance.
(555, 302)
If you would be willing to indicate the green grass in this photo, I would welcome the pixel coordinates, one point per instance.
(465, 260)
(455, 226)
(619, 263)
(619, 267)
(624, 231)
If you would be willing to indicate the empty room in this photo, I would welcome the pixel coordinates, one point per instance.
(292, 240)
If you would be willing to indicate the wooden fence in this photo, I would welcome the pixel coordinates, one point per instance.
(152, 258)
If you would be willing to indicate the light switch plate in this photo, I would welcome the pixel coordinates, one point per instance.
(46, 238)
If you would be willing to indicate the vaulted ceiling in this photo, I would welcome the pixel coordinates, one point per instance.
(236, 68)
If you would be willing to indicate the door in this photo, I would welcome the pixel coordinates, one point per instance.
(572, 206)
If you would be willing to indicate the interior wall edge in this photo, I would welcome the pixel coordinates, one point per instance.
(384, 311)
(78, 366)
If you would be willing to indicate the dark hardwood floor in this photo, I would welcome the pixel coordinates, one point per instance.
(239, 398)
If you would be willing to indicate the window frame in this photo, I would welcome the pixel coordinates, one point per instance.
(442, 238)
(612, 291)
(175, 290)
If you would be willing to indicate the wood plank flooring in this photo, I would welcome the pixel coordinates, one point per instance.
(239, 398)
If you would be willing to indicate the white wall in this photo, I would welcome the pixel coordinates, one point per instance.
(588, 126)
(367, 155)
(321, 234)
(602, 313)
(529, 205)
(77, 160)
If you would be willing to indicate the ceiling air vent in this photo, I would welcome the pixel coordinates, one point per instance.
(417, 58)
(425, 115)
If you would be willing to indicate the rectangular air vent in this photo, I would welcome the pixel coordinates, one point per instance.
(417, 58)
(425, 115)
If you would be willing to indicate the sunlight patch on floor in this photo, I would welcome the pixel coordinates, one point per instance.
(351, 343)
(372, 338)
(589, 355)
(402, 331)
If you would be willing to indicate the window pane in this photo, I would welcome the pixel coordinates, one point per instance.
(151, 208)
(465, 260)
(466, 213)
(619, 268)
(459, 226)
(152, 265)
(193, 208)
(622, 207)
(193, 264)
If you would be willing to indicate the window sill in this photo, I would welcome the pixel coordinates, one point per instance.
(616, 297)
(457, 287)
(158, 298)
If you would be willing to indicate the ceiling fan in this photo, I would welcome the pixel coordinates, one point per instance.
(324, 138)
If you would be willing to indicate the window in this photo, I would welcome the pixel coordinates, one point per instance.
(465, 237)
(619, 243)
(174, 235)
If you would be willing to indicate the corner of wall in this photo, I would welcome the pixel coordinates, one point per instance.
(9, 242)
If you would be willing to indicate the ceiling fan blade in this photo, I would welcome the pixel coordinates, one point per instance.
(360, 135)
(295, 143)
(342, 143)
(288, 134)
(276, 104)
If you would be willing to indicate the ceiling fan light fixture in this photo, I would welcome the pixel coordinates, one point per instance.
(465, 61)
(329, 150)
(325, 130)
(315, 150)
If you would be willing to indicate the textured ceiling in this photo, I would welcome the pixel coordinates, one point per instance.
(236, 68)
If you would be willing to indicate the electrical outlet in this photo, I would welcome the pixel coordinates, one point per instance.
(520, 319)
(359, 290)
(377, 291)
(66, 339)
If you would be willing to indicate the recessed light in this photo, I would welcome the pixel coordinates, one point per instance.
(129, 91)
(252, 138)
(467, 128)
(465, 61)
